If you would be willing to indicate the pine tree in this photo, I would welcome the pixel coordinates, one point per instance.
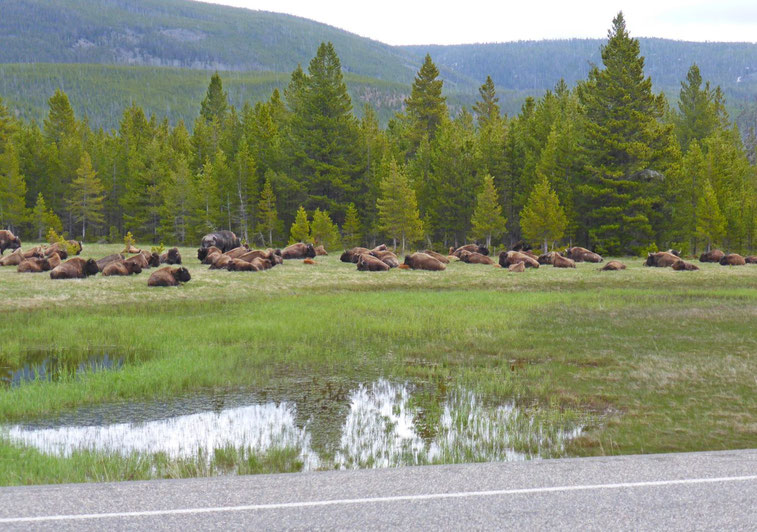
(300, 230)
(86, 202)
(397, 207)
(268, 220)
(12, 190)
(487, 221)
(626, 147)
(486, 109)
(351, 228)
(215, 104)
(711, 224)
(543, 219)
(426, 107)
(245, 187)
(60, 122)
(177, 204)
(44, 219)
(701, 110)
(206, 199)
(323, 231)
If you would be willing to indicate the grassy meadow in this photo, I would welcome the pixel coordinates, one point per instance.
(657, 360)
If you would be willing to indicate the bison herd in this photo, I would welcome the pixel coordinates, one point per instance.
(223, 250)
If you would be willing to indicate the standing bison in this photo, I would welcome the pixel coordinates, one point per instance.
(223, 240)
(8, 241)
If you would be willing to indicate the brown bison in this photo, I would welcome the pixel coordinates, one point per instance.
(388, 257)
(168, 276)
(221, 261)
(37, 252)
(438, 256)
(63, 248)
(547, 258)
(751, 259)
(239, 265)
(320, 251)
(732, 259)
(661, 259)
(145, 259)
(34, 266)
(380, 247)
(103, 262)
(475, 258)
(681, 265)
(351, 255)
(172, 256)
(208, 255)
(580, 254)
(517, 267)
(473, 248)
(369, 263)
(75, 268)
(53, 260)
(131, 249)
(264, 264)
(521, 245)
(298, 251)
(421, 261)
(613, 266)
(121, 267)
(14, 259)
(267, 254)
(558, 261)
(714, 255)
(223, 240)
(8, 241)
(506, 258)
(237, 253)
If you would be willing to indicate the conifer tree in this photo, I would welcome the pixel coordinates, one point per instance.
(60, 122)
(12, 190)
(323, 231)
(701, 109)
(397, 207)
(426, 107)
(351, 228)
(487, 221)
(245, 187)
(300, 230)
(711, 224)
(177, 204)
(86, 202)
(215, 104)
(486, 108)
(268, 218)
(43, 219)
(543, 219)
(206, 199)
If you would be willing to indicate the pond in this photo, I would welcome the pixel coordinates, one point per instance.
(46, 366)
(359, 425)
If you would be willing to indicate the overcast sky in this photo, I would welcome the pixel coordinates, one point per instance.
(469, 21)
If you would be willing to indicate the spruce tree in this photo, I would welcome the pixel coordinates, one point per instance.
(60, 122)
(43, 219)
(351, 228)
(426, 107)
(711, 224)
(397, 207)
(543, 219)
(177, 204)
(87, 195)
(268, 218)
(701, 109)
(12, 190)
(486, 108)
(244, 183)
(626, 147)
(300, 230)
(323, 231)
(487, 221)
(215, 104)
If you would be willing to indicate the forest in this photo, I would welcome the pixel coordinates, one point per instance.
(606, 163)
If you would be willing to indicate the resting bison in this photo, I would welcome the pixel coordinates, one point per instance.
(369, 263)
(172, 256)
(475, 258)
(267, 254)
(122, 267)
(547, 258)
(203, 254)
(62, 248)
(220, 262)
(321, 251)
(507, 258)
(751, 259)
(713, 255)
(579, 254)
(103, 262)
(351, 255)
(612, 266)
(438, 256)
(685, 266)
(732, 259)
(239, 265)
(34, 266)
(168, 276)
(421, 261)
(521, 246)
(473, 248)
(14, 259)
(298, 251)
(387, 257)
(37, 252)
(8, 241)
(517, 267)
(223, 240)
(661, 259)
(145, 259)
(76, 268)
(559, 261)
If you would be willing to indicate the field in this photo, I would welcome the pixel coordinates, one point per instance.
(644, 360)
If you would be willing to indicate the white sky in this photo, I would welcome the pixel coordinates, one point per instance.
(470, 21)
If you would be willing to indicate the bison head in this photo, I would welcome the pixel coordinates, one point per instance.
(483, 250)
(173, 256)
(310, 253)
(182, 275)
(202, 253)
(133, 267)
(154, 260)
(346, 257)
(90, 267)
(15, 243)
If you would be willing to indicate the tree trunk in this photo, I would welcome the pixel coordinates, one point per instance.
(545, 246)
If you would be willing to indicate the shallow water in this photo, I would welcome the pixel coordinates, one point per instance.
(44, 366)
(378, 424)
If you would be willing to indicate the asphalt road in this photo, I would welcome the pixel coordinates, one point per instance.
(692, 491)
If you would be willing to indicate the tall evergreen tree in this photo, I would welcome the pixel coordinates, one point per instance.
(426, 107)
(87, 195)
(486, 108)
(711, 224)
(12, 190)
(351, 228)
(701, 109)
(487, 221)
(43, 219)
(323, 231)
(397, 207)
(176, 212)
(626, 147)
(543, 219)
(215, 104)
(268, 218)
(300, 230)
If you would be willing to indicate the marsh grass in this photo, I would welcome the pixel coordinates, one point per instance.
(664, 360)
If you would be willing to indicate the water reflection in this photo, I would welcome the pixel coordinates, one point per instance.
(46, 367)
(383, 424)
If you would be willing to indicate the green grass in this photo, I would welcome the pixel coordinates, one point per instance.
(661, 360)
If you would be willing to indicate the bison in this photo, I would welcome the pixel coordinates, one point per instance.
(547, 258)
(121, 267)
(34, 266)
(473, 248)
(103, 262)
(8, 241)
(369, 263)
(682, 265)
(221, 261)
(438, 256)
(387, 257)
(75, 268)
(421, 261)
(661, 259)
(172, 256)
(168, 276)
(580, 254)
(613, 266)
(751, 259)
(298, 251)
(714, 255)
(521, 245)
(506, 258)
(14, 259)
(352, 255)
(239, 265)
(732, 259)
(223, 240)
(558, 261)
(517, 267)
(475, 258)
(321, 251)
(208, 255)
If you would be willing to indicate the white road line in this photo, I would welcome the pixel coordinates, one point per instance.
(373, 500)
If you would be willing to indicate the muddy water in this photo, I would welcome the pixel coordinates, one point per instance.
(362, 425)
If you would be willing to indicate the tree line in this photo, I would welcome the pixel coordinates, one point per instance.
(606, 164)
